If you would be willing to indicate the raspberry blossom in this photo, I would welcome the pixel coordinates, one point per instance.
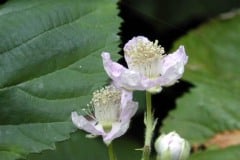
(112, 111)
(148, 67)
(172, 147)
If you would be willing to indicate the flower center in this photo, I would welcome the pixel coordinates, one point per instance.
(106, 105)
(144, 56)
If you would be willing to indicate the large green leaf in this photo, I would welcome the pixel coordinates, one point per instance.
(93, 149)
(230, 153)
(212, 106)
(49, 65)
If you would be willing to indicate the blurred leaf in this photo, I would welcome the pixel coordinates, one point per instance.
(231, 153)
(166, 20)
(49, 65)
(79, 147)
(212, 105)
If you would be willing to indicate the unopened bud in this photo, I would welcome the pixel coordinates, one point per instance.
(172, 147)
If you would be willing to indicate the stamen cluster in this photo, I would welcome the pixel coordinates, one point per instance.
(112, 110)
(141, 50)
(106, 104)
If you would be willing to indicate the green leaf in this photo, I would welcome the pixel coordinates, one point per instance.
(50, 64)
(229, 153)
(21, 139)
(80, 147)
(212, 106)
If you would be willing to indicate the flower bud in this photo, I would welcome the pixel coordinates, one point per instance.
(172, 147)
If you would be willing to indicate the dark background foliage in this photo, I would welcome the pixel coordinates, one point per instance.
(166, 21)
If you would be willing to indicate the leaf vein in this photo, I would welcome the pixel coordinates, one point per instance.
(46, 31)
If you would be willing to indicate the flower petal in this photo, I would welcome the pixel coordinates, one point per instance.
(89, 126)
(128, 111)
(133, 80)
(113, 69)
(121, 76)
(131, 45)
(126, 96)
(118, 129)
(134, 42)
(172, 67)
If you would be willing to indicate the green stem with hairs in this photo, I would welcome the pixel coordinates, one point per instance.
(149, 123)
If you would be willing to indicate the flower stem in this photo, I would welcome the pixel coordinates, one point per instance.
(111, 153)
(149, 128)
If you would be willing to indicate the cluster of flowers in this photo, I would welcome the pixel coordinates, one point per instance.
(149, 69)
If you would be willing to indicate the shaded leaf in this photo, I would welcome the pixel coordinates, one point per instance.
(167, 20)
(212, 105)
(230, 153)
(79, 147)
(50, 64)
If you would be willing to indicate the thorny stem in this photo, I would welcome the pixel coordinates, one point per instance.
(149, 128)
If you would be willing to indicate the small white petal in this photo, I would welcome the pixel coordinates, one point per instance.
(172, 67)
(89, 126)
(131, 80)
(128, 111)
(121, 76)
(118, 129)
(126, 96)
(113, 69)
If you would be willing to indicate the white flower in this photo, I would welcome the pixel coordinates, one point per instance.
(148, 67)
(113, 108)
(172, 147)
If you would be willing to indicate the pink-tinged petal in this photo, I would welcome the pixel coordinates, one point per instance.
(134, 42)
(172, 67)
(128, 111)
(131, 45)
(126, 96)
(89, 126)
(113, 69)
(121, 76)
(173, 59)
(128, 107)
(118, 129)
(149, 83)
(131, 80)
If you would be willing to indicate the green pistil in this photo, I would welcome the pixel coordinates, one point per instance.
(106, 126)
